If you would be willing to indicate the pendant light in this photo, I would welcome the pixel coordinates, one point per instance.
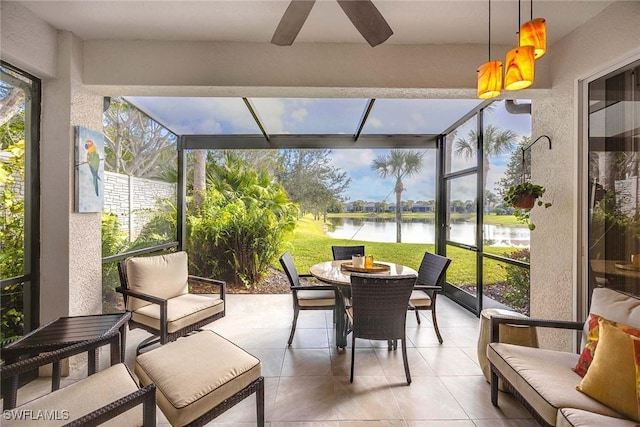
(534, 33)
(520, 63)
(490, 73)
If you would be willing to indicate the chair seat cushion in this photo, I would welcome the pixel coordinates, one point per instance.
(195, 374)
(544, 378)
(316, 298)
(420, 299)
(571, 417)
(182, 311)
(85, 396)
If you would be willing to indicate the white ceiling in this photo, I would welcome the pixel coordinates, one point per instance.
(414, 22)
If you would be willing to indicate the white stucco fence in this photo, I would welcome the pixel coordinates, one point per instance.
(135, 199)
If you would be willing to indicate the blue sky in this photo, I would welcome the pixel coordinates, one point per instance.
(341, 116)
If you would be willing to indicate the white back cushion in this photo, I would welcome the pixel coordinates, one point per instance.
(163, 276)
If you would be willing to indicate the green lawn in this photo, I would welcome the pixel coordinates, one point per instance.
(309, 245)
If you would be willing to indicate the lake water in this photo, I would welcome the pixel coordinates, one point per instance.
(423, 231)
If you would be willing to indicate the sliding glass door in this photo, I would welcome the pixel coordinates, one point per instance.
(613, 222)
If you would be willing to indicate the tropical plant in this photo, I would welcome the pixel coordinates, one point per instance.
(242, 223)
(398, 164)
(496, 141)
(12, 238)
(523, 197)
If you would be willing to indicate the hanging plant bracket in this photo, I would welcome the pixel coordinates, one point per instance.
(524, 149)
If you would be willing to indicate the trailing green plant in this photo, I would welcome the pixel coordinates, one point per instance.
(514, 195)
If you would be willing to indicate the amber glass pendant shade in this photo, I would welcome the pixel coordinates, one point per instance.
(490, 79)
(520, 68)
(534, 33)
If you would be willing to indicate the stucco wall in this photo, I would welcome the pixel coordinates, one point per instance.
(26, 41)
(71, 275)
(611, 36)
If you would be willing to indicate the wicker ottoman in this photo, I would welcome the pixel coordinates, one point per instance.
(200, 376)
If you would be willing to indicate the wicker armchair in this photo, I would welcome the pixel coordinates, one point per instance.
(379, 311)
(430, 276)
(345, 252)
(316, 297)
(156, 292)
(109, 394)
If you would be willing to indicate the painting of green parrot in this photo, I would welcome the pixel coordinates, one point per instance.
(93, 160)
(89, 164)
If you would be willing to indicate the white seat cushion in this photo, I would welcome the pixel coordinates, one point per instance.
(420, 299)
(163, 276)
(316, 298)
(544, 378)
(195, 374)
(570, 417)
(85, 396)
(182, 311)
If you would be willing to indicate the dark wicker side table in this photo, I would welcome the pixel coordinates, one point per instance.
(66, 331)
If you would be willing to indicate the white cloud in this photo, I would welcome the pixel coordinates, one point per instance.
(300, 114)
(375, 123)
(353, 159)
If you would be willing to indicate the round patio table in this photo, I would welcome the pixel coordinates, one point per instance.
(332, 272)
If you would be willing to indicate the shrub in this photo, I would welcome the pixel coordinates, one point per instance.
(239, 230)
(518, 280)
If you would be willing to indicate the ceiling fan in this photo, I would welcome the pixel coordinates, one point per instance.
(363, 14)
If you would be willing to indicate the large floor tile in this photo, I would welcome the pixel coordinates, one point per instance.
(426, 398)
(392, 362)
(306, 362)
(441, 423)
(367, 398)
(447, 361)
(473, 394)
(366, 362)
(305, 399)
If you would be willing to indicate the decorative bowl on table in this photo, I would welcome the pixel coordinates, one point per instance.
(377, 268)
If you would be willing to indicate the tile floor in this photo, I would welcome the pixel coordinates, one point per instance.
(307, 384)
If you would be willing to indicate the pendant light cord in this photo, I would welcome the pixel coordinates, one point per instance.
(531, 17)
(519, 13)
(489, 31)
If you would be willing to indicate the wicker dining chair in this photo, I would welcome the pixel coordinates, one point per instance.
(314, 297)
(345, 252)
(430, 276)
(379, 311)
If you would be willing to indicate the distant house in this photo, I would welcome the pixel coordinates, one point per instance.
(419, 207)
(391, 207)
(369, 207)
(348, 207)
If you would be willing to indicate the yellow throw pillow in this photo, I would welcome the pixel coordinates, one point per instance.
(613, 378)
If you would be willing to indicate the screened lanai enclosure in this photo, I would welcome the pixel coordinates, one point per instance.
(236, 181)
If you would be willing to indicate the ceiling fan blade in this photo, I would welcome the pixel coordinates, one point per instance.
(292, 22)
(367, 19)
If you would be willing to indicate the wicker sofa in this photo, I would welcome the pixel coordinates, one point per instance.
(544, 381)
(111, 396)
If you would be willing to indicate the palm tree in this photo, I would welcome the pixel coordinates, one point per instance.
(398, 164)
(496, 141)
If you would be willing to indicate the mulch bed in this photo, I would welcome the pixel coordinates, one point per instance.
(275, 282)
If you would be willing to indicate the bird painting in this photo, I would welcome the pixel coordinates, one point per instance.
(89, 165)
(93, 160)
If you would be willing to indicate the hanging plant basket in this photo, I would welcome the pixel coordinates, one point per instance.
(527, 201)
